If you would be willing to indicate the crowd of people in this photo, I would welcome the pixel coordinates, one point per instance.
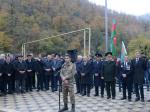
(20, 75)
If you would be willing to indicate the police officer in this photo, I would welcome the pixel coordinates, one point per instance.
(139, 67)
(78, 74)
(67, 73)
(109, 75)
(48, 73)
(97, 67)
(21, 68)
(127, 77)
(86, 76)
(8, 70)
(30, 73)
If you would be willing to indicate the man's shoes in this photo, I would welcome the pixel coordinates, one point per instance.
(108, 97)
(64, 108)
(142, 100)
(123, 98)
(129, 100)
(137, 99)
(96, 95)
(73, 108)
(102, 96)
(148, 100)
(113, 98)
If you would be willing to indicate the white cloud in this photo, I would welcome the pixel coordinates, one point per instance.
(135, 7)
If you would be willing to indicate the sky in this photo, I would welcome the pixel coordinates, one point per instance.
(133, 7)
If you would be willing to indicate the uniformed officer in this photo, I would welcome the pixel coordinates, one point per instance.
(139, 67)
(97, 67)
(127, 77)
(8, 70)
(86, 76)
(67, 73)
(30, 73)
(78, 74)
(109, 75)
(21, 68)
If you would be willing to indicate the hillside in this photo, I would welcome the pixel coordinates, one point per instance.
(26, 20)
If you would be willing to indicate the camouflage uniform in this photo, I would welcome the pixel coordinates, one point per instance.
(68, 71)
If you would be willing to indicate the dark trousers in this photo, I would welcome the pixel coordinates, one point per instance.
(127, 85)
(46, 81)
(110, 88)
(78, 83)
(40, 81)
(55, 83)
(29, 81)
(102, 86)
(86, 89)
(1, 84)
(139, 87)
(33, 80)
(20, 85)
(8, 82)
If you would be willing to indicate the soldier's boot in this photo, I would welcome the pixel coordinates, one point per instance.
(73, 108)
(64, 108)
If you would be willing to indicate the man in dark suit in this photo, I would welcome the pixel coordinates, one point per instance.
(30, 73)
(78, 74)
(56, 65)
(139, 67)
(48, 72)
(39, 69)
(109, 75)
(97, 67)
(127, 77)
(1, 75)
(20, 67)
(8, 70)
(86, 76)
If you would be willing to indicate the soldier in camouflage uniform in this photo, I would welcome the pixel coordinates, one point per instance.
(67, 73)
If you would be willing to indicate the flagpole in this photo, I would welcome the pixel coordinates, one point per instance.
(106, 26)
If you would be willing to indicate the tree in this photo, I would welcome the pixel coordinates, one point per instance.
(5, 43)
(140, 43)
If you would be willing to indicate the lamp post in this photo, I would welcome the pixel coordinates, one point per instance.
(106, 26)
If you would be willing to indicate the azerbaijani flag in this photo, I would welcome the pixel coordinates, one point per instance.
(113, 41)
(123, 52)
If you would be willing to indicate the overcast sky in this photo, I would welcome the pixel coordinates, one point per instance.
(134, 7)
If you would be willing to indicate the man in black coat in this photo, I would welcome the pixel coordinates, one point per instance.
(1, 75)
(109, 75)
(30, 73)
(139, 67)
(78, 74)
(20, 67)
(48, 73)
(39, 69)
(8, 70)
(56, 65)
(98, 82)
(127, 77)
(86, 76)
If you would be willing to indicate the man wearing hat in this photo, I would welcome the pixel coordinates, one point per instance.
(97, 67)
(109, 75)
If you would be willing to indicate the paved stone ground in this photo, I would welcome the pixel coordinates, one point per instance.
(48, 102)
